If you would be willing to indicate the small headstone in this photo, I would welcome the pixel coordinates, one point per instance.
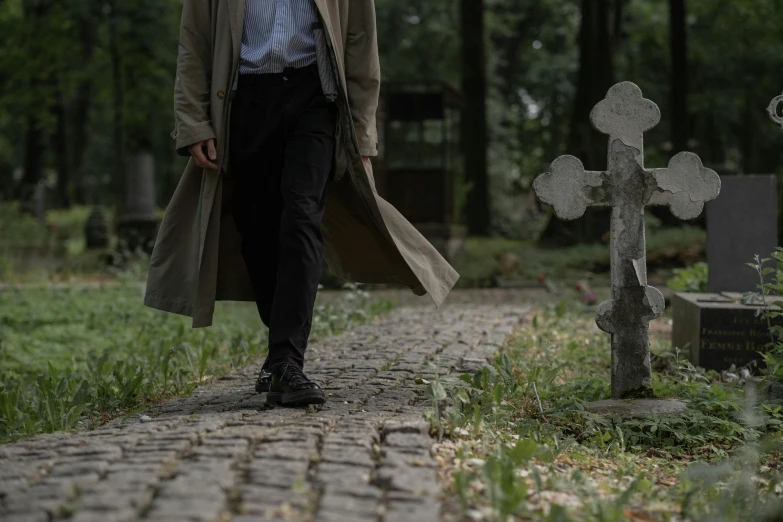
(39, 202)
(138, 225)
(718, 331)
(96, 230)
(140, 187)
(741, 222)
(628, 187)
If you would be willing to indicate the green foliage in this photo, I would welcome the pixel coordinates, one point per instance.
(524, 419)
(69, 223)
(110, 62)
(74, 357)
(690, 279)
(105, 68)
(770, 290)
(478, 259)
(21, 230)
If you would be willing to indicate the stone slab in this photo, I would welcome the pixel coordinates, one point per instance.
(716, 331)
(741, 222)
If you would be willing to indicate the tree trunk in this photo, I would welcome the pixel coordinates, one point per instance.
(118, 177)
(596, 76)
(35, 150)
(35, 13)
(679, 78)
(599, 35)
(60, 146)
(81, 111)
(474, 116)
(678, 95)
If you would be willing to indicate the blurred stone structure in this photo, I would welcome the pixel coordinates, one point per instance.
(138, 224)
(96, 230)
(418, 161)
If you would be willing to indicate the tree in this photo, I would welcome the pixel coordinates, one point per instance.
(678, 96)
(36, 79)
(679, 75)
(599, 35)
(474, 116)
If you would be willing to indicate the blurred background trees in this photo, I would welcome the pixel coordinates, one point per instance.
(86, 83)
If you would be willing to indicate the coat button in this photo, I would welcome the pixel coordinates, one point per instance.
(221, 94)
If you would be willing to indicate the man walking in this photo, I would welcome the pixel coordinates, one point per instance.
(275, 103)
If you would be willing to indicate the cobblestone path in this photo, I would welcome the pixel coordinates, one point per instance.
(219, 455)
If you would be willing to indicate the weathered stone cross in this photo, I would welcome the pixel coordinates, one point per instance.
(627, 187)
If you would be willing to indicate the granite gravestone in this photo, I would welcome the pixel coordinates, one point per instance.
(741, 222)
(96, 230)
(628, 187)
(138, 226)
(718, 331)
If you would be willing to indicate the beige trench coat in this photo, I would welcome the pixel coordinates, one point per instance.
(197, 258)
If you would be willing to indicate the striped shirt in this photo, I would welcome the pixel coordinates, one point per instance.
(278, 34)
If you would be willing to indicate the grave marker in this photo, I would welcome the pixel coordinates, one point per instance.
(741, 222)
(716, 331)
(137, 227)
(96, 230)
(627, 187)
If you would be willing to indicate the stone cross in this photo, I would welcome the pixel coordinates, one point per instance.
(627, 187)
(773, 110)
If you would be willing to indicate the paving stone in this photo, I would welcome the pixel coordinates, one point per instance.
(344, 454)
(347, 503)
(254, 518)
(77, 468)
(416, 480)
(410, 511)
(407, 440)
(343, 516)
(32, 516)
(259, 498)
(116, 515)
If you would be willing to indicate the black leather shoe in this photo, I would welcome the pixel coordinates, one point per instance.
(262, 384)
(291, 387)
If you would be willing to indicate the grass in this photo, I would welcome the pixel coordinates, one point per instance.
(518, 444)
(53, 250)
(478, 262)
(74, 357)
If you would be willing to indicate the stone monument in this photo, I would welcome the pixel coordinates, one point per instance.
(741, 222)
(628, 187)
(137, 226)
(96, 230)
(718, 331)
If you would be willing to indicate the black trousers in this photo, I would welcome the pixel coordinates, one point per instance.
(282, 140)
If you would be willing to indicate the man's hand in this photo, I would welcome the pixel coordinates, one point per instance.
(365, 161)
(204, 154)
